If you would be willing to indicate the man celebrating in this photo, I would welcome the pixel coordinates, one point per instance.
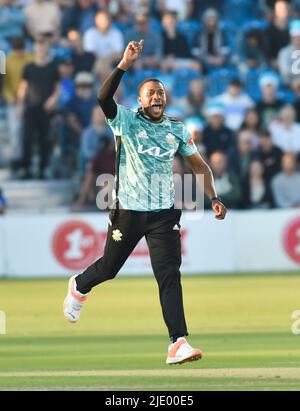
(146, 142)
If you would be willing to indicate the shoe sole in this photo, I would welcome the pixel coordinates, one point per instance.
(67, 318)
(195, 356)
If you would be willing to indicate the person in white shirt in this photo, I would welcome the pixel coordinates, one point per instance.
(105, 41)
(286, 184)
(42, 17)
(235, 104)
(285, 131)
(288, 57)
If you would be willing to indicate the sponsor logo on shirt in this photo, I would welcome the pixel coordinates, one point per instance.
(155, 151)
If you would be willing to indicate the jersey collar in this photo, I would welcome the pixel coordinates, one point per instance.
(164, 120)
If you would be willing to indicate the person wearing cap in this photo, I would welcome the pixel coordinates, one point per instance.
(269, 105)
(287, 58)
(78, 111)
(216, 135)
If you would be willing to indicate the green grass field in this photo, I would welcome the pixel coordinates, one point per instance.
(242, 323)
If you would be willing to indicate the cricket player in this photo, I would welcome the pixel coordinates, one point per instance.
(146, 141)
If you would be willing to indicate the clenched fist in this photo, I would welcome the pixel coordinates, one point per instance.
(131, 54)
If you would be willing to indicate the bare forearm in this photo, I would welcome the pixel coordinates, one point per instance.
(208, 180)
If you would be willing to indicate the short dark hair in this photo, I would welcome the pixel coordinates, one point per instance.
(18, 43)
(236, 82)
(170, 13)
(147, 80)
(264, 133)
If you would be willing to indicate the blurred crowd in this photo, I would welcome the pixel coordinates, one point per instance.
(231, 70)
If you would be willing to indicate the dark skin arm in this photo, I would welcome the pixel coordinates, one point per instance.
(199, 166)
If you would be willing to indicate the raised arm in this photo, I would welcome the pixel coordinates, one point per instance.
(199, 166)
(110, 85)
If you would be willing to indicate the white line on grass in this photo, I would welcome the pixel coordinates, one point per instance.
(168, 372)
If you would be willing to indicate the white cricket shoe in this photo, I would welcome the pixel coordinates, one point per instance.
(73, 302)
(181, 352)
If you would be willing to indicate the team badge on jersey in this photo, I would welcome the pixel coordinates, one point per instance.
(117, 235)
(170, 138)
(142, 134)
(191, 142)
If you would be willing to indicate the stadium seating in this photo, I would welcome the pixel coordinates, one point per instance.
(218, 80)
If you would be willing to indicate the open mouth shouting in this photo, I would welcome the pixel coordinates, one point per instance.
(156, 109)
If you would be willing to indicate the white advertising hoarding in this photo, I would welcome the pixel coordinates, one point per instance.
(50, 244)
(267, 240)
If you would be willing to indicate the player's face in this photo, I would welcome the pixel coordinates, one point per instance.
(152, 98)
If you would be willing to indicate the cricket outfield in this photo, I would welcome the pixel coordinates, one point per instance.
(241, 322)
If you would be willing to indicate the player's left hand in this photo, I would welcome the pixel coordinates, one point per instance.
(219, 209)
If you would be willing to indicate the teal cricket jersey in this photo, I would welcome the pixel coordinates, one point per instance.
(144, 154)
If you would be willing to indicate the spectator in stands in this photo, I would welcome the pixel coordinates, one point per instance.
(252, 123)
(226, 182)
(153, 43)
(105, 41)
(286, 58)
(195, 127)
(102, 163)
(82, 60)
(255, 191)
(286, 184)
(277, 33)
(285, 131)
(92, 137)
(12, 21)
(66, 83)
(79, 110)
(43, 17)
(15, 63)
(269, 105)
(296, 89)
(196, 97)
(182, 8)
(212, 41)
(239, 160)
(252, 52)
(235, 103)
(216, 136)
(269, 155)
(3, 203)
(175, 44)
(37, 97)
(80, 16)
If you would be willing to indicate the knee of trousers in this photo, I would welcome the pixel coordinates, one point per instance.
(168, 276)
